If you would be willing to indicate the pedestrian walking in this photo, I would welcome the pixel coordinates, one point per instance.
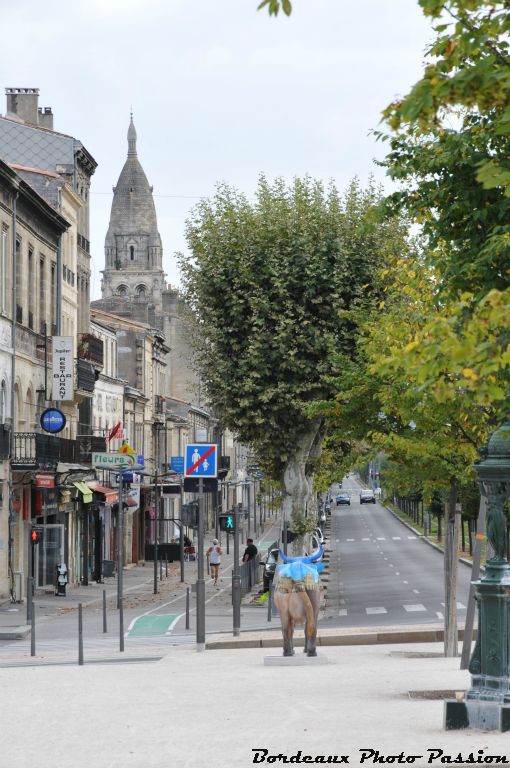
(250, 551)
(214, 554)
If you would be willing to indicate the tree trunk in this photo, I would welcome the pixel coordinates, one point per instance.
(295, 482)
(451, 563)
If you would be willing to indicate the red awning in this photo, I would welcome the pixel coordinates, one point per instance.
(111, 494)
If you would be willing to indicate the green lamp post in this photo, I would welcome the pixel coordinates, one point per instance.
(487, 703)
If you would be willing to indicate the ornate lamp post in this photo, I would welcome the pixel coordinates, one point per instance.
(487, 702)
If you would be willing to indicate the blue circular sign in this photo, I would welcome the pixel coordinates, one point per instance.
(52, 420)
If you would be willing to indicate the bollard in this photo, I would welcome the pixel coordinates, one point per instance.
(104, 611)
(166, 567)
(161, 569)
(80, 635)
(187, 607)
(30, 599)
(121, 624)
(270, 603)
(32, 633)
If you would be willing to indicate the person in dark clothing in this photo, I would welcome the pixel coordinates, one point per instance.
(250, 551)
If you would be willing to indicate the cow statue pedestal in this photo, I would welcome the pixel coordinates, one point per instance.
(297, 597)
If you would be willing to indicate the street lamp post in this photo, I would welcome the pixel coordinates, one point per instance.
(487, 703)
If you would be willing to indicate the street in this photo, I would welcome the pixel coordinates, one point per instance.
(380, 572)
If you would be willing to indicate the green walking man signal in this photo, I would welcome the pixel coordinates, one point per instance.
(227, 522)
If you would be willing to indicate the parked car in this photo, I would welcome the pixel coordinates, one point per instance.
(343, 498)
(269, 568)
(320, 536)
(366, 497)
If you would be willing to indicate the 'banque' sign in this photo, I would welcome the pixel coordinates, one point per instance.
(63, 368)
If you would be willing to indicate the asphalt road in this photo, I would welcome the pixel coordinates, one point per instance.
(381, 573)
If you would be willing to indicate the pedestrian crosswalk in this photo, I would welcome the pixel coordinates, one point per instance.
(407, 607)
(378, 538)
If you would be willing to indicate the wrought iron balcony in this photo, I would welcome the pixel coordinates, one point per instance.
(34, 450)
(91, 348)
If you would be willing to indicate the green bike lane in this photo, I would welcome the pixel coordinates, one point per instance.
(169, 618)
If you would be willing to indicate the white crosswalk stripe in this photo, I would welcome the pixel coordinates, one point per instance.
(396, 538)
(376, 610)
(416, 607)
(342, 612)
(412, 537)
(460, 606)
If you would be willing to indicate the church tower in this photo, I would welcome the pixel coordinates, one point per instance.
(133, 273)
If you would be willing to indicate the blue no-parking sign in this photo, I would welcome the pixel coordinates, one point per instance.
(201, 460)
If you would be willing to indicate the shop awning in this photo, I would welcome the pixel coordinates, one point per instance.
(111, 495)
(85, 492)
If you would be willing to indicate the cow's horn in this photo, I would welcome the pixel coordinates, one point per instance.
(314, 556)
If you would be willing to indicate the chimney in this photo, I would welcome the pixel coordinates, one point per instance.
(45, 117)
(22, 103)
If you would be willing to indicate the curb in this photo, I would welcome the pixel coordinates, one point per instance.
(379, 637)
(15, 633)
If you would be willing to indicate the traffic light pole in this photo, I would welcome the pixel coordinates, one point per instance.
(200, 570)
(236, 577)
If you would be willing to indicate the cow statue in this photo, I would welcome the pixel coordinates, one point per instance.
(297, 597)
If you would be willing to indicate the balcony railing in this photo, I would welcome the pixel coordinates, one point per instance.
(37, 450)
(85, 376)
(34, 450)
(90, 348)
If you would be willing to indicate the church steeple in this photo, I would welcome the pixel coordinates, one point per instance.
(133, 251)
(131, 138)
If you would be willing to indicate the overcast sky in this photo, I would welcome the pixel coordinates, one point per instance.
(219, 91)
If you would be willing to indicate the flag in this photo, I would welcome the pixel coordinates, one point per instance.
(114, 431)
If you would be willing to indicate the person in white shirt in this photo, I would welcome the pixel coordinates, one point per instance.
(214, 554)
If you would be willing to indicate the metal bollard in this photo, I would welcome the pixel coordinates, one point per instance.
(32, 632)
(161, 569)
(80, 635)
(104, 611)
(270, 603)
(121, 624)
(166, 567)
(187, 607)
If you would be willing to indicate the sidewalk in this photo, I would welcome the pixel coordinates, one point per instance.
(138, 590)
(213, 709)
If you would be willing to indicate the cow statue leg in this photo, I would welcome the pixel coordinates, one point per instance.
(282, 603)
(309, 602)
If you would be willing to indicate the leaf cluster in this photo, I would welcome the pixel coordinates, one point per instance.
(269, 284)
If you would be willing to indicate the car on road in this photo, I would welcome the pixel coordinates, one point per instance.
(367, 497)
(343, 498)
(269, 568)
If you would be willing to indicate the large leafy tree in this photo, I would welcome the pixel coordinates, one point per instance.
(267, 282)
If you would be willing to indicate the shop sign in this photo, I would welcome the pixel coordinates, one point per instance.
(52, 420)
(113, 459)
(63, 368)
(44, 480)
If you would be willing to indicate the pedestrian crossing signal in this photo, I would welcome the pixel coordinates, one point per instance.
(227, 522)
(35, 535)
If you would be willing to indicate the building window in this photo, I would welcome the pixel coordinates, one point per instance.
(132, 252)
(121, 290)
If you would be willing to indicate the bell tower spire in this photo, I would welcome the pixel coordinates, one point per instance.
(131, 136)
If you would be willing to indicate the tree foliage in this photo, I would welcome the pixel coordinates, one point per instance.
(267, 283)
(450, 146)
